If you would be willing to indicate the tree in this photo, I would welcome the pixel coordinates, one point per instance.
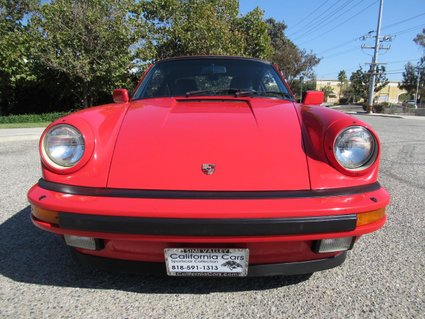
(360, 82)
(255, 35)
(93, 44)
(420, 39)
(15, 50)
(291, 60)
(308, 85)
(410, 78)
(205, 27)
(342, 78)
(327, 90)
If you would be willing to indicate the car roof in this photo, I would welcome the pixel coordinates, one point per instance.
(209, 57)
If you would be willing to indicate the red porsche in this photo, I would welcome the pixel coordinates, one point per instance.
(211, 168)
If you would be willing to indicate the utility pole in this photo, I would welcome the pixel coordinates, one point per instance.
(301, 88)
(417, 87)
(376, 48)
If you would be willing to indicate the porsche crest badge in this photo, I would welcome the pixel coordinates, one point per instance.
(208, 169)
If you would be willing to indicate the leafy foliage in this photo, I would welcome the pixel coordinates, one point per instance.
(63, 54)
(15, 50)
(420, 38)
(342, 79)
(410, 78)
(299, 87)
(327, 90)
(360, 80)
(205, 27)
(89, 43)
(31, 118)
(291, 60)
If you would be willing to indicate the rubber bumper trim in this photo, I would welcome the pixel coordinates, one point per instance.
(207, 226)
(151, 268)
(193, 194)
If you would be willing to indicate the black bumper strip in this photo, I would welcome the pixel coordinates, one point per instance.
(149, 268)
(207, 226)
(181, 194)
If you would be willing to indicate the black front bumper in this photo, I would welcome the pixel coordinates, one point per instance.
(207, 226)
(151, 268)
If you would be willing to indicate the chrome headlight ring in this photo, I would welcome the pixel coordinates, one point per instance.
(63, 146)
(355, 148)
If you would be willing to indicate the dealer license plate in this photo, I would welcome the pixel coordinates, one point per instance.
(206, 262)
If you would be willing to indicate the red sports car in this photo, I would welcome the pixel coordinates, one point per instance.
(210, 169)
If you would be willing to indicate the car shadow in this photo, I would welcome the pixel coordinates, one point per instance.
(30, 255)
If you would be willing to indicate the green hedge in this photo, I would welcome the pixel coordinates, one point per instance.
(31, 118)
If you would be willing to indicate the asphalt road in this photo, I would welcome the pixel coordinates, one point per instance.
(383, 277)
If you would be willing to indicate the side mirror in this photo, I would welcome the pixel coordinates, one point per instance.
(313, 97)
(120, 96)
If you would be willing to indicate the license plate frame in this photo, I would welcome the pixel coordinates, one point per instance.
(208, 262)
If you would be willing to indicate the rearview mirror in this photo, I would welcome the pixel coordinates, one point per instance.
(313, 97)
(213, 70)
(120, 96)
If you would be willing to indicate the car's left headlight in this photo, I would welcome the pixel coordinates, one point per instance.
(63, 146)
(355, 148)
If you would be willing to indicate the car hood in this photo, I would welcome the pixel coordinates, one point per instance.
(253, 144)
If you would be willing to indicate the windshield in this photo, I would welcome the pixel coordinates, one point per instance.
(209, 77)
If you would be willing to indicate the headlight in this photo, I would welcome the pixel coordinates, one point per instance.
(355, 148)
(64, 145)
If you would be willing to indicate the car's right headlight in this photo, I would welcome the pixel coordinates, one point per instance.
(63, 146)
(355, 148)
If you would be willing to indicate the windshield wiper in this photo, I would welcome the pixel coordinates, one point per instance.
(282, 94)
(198, 92)
(236, 92)
(245, 92)
(239, 93)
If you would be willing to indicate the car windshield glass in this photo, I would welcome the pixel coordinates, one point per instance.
(213, 77)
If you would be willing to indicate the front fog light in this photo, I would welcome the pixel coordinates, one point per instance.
(333, 245)
(83, 242)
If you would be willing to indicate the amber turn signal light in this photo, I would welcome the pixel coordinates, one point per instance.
(370, 217)
(45, 215)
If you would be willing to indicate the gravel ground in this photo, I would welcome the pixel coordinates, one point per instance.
(383, 277)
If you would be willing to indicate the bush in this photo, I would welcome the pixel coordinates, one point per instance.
(32, 118)
(377, 108)
(343, 100)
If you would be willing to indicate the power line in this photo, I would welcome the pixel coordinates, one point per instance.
(342, 23)
(400, 61)
(347, 70)
(328, 19)
(339, 53)
(338, 46)
(310, 15)
(409, 29)
(395, 71)
(311, 20)
(355, 39)
(402, 21)
(315, 24)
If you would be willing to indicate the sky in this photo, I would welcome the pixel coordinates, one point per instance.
(332, 29)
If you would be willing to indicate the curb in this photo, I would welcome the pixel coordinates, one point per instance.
(376, 114)
(17, 134)
(395, 116)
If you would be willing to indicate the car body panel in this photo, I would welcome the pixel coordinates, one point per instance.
(263, 148)
(316, 123)
(105, 123)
